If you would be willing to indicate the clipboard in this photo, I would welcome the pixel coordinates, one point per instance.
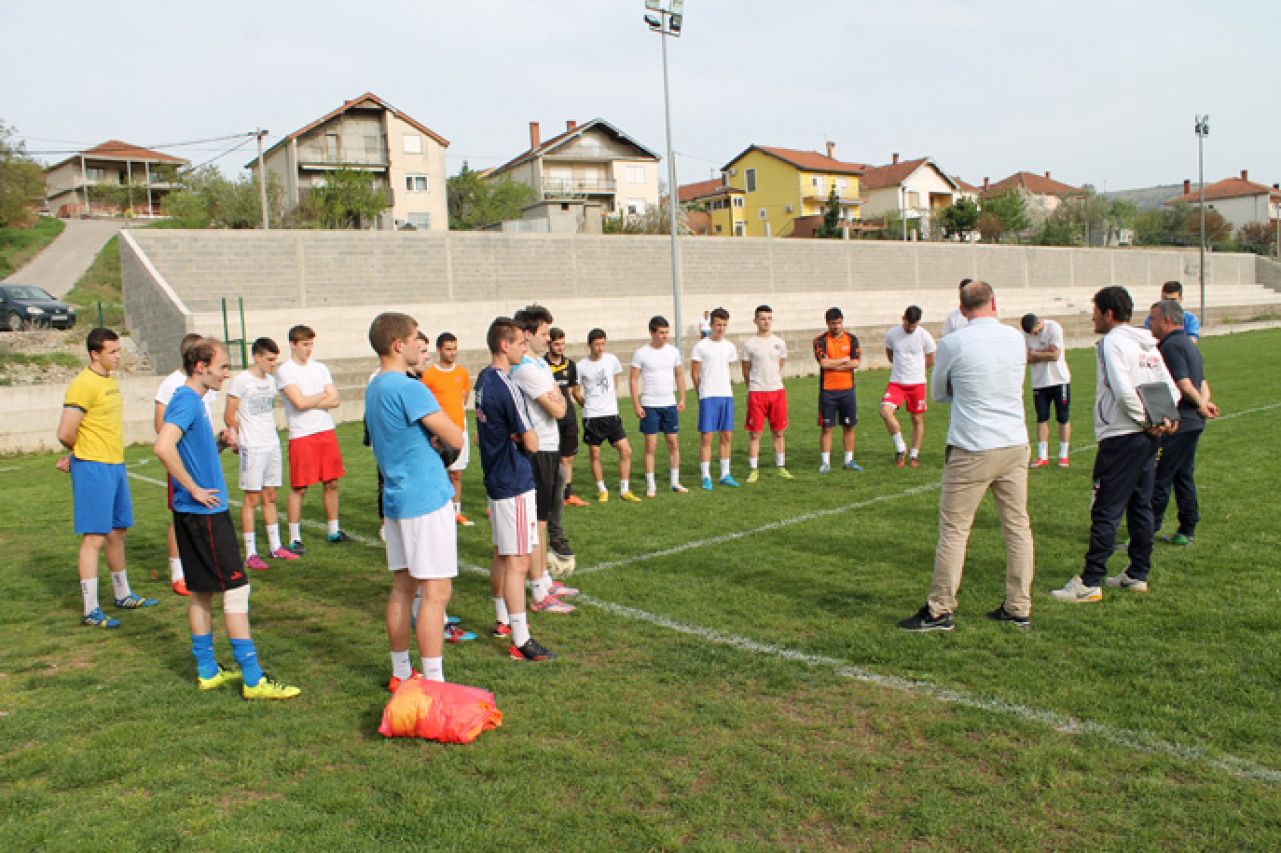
(1157, 403)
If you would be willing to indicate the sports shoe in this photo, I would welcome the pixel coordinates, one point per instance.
(679, 489)
(268, 688)
(253, 561)
(651, 491)
(1040, 462)
(133, 601)
(785, 474)
(1124, 581)
(630, 498)
(501, 631)
(561, 547)
(218, 679)
(729, 481)
(1179, 539)
(531, 651)
(824, 468)
(455, 634)
(921, 620)
(179, 587)
(382, 532)
(98, 619)
(463, 521)
(394, 683)
(753, 476)
(559, 590)
(603, 497)
(707, 484)
(575, 500)
(1000, 614)
(551, 604)
(282, 554)
(337, 538)
(914, 461)
(297, 548)
(900, 459)
(1064, 462)
(1078, 593)
(853, 466)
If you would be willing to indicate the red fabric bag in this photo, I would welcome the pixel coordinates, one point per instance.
(435, 710)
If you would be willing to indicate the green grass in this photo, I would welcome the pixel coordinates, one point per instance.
(646, 735)
(19, 245)
(101, 285)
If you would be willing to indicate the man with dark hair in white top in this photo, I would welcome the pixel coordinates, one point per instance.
(910, 350)
(1051, 385)
(955, 320)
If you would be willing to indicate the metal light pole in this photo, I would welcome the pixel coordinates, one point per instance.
(262, 180)
(1202, 131)
(666, 18)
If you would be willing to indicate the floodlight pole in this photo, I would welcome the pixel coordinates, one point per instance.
(664, 17)
(262, 180)
(1202, 131)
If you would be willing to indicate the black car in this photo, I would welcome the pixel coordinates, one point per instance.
(24, 306)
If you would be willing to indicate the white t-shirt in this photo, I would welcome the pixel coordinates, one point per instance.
(910, 350)
(176, 380)
(596, 378)
(310, 378)
(658, 374)
(1047, 374)
(763, 355)
(256, 420)
(954, 322)
(534, 378)
(714, 358)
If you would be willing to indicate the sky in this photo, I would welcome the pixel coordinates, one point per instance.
(1103, 93)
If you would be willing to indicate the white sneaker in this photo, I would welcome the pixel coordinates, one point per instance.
(1078, 593)
(1124, 581)
(825, 468)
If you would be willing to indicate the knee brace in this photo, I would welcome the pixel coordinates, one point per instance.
(236, 600)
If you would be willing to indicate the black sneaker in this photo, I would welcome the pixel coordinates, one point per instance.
(561, 547)
(297, 548)
(531, 651)
(337, 538)
(923, 621)
(1000, 614)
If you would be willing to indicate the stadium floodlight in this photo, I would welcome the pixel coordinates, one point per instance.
(1202, 128)
(666, 17)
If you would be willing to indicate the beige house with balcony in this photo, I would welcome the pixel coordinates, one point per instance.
(589, 171)
(917, 190)
(403, 158)
(144, 174)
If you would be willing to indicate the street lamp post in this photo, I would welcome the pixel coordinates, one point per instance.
(1202, 131)
(666, 17)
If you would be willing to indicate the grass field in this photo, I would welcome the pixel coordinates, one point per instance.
(733, 677)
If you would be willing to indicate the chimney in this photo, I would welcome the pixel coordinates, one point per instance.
(1187, 186)
(987, 184)
(831, 150)
(570, 124)
(894, 158)
(1047, 175)
(534, 139)
(1245, 176)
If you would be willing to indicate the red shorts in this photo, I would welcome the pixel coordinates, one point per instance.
(314, 459)
(766, 404)
(914, 395)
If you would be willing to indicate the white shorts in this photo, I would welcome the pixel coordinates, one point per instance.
(464, 455)
(515, 524)
(427, 545)
(260, 468)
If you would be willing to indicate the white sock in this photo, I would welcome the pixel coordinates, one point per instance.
(600, 486)
(500, 610)
(849, 456)
(332, 524)
(273, 537)
(400, 667)
(1063, 449)
(705, 468)
(120, 584)
(434, 669)
(724, 467)
(826, 458)
(900, 446)
(676, 477)
(251, 545)
(89, 594)
(649, 480)
(1042, 449)
(295, 532)
(541, 587)
(623, 486)
(175, 569)
(520, 629)
(752, 462)
(780, 460)
(914, 453)
(445, 618)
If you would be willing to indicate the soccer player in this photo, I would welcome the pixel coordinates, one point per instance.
(709, 371)
(251, 399)
(838, 355)
(450, 383)
(168, 385)
(1191, 325)
(404, 421)
(546, 405)
(910, 350)
(955, 319)
(601, 422)
(1051, 384)
(657, 386)
(565, 372)
(507, 440)
(206, 535)
(314, 457)
(763, 357)
(92, 428)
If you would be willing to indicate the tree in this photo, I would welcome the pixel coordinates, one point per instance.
(1010, 210)
(990, 227)
(349, 198)
(474, 202)
(1217, 229)
(1257, 237)
(960, 219)
(831, 227)
(208, 199)
(1162, 227)
(21, 181)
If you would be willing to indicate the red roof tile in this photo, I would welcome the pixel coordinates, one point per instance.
(806, 161)
(1227, 188)
(114, 149)
(1034, 184)
(894, 174)
(700, 189)
(552, 142)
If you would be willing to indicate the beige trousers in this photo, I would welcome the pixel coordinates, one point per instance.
(967, 477)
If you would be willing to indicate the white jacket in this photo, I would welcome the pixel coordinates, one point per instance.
(1126, 357)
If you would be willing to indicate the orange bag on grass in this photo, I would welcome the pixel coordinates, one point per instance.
(449, 713)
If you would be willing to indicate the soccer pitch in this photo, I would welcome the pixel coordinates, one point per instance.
(733, 676)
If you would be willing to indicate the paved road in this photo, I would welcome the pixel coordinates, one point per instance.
(60, 265)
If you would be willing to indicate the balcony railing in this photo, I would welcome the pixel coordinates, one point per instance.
(316, 159)
(570, 187)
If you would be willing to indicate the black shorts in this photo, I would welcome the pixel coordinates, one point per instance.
(210, 551)
(1059, 395)
(568, 427)
(546, 470)
(597, 431)
(837, 407)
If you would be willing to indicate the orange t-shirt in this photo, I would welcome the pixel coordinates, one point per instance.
(845, 346)
(450, 388)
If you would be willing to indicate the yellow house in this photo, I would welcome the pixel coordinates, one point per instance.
(726, 206)
(785, 191)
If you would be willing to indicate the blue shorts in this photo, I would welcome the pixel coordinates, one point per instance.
(100, 492)
(837, 407)
(658, 419)
(716, 414)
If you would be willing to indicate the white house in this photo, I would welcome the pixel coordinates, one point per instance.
(1240, 201)
(915, 189)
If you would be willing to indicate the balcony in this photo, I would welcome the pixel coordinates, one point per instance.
(577, 187)
(314, 158)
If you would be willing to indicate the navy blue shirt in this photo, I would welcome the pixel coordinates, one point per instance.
(198, 450)
(501, 412)
(1183, 359)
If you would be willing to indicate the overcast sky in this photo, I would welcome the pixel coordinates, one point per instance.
(1095, 92)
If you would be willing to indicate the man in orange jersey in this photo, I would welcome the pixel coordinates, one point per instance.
(838, 355)
(450, 384)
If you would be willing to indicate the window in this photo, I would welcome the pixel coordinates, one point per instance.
(636, 205)
(739, 201)
(842, 185)
(95, 175)
(416, 183)
(762, 214)
(635, 174)
(718, 229)
(331, 147)
(413, 143)
(751, 180)
(420, 221)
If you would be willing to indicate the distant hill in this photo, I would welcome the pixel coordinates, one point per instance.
(1148, 198)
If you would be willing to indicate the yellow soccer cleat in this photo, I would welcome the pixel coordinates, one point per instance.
(267, 688)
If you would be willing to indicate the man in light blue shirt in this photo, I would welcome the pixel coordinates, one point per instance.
(979, 370)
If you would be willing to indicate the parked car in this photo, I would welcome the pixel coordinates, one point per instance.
(24, 306)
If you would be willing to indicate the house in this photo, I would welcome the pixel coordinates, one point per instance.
(403, 157)
(593, 168)
(1042, 193)
(1239, 201)
(785, 191)
(725, 206)
(916, 190)
(138, 179)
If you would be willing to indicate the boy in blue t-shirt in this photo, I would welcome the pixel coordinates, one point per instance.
(422, 543)
(207, 541)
